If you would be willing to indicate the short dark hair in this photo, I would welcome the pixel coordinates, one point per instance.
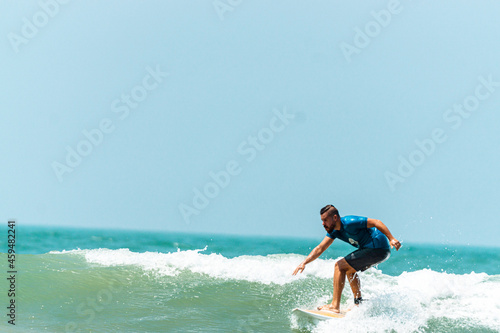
(332, 211)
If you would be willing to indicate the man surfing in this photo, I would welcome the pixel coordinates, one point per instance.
(373, 240)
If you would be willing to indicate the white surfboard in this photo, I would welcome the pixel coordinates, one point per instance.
(318, 314)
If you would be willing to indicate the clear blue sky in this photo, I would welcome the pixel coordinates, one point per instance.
(301, 104)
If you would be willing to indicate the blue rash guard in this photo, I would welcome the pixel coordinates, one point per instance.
(353, 230)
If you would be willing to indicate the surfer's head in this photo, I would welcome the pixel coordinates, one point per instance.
(329, 216)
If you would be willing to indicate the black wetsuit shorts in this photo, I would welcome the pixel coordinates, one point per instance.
(362, 259)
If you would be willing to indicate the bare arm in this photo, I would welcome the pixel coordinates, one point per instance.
(315, 253)
(370, 223)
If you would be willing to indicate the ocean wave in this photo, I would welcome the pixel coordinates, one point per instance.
(275, 268)
(417, 301)
(423, 301)
(410, 302)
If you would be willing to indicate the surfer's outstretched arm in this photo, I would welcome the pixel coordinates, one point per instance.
(370, 223)
(315, 253)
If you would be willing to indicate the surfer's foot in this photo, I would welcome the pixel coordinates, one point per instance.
(328, 307)
(358, 301)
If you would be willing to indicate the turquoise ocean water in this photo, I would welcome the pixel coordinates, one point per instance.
(81, 280)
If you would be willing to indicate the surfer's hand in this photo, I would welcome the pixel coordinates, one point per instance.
(395, 243)
(299, 268)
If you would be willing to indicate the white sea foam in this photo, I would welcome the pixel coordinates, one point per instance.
(414, 301)
(264, 269)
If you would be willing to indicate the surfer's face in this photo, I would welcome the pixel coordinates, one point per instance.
(328, 221)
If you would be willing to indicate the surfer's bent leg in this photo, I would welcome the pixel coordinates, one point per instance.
(355, 284)
(357, 261)
(360, 260)
(342, 268)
